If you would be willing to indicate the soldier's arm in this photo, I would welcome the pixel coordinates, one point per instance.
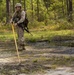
(12, 19)
(22, 17)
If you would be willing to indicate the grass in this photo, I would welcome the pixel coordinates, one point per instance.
(54, 61)
(39, 35)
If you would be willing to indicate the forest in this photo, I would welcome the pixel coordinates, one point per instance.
(39, 10)
(49, 44)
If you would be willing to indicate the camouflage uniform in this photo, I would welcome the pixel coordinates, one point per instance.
(20, 30)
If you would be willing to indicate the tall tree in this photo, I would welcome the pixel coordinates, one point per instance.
(7, 10)
(13, 5)
(38, 10)
(25, 5)
(47, 4)
(32, 8)
(63, 7)
(69, 9)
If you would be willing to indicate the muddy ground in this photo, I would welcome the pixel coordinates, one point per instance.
(40, 58)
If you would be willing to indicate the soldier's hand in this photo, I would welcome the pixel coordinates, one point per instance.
(11, 22)
(15, 24)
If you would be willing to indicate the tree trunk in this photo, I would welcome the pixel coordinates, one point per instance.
(69, 10)
(32, 8)
(7, 10)
(13, 5)
(25, 5)
(67, 5)
(38, 10)
(63, 7)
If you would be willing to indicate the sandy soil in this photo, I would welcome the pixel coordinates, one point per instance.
(38, 59)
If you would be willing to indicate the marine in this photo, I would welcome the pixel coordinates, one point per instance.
(18, 19)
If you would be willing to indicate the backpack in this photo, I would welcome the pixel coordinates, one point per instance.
(24, 24)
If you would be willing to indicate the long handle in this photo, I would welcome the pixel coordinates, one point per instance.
(16, 43)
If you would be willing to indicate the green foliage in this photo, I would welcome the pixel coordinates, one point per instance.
(52, 13)
(47, 3)
(0, 1)
(2, 10)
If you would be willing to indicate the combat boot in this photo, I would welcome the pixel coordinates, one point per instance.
(20, 48)
(23, 47)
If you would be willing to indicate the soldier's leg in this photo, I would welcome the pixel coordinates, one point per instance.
(20, 33)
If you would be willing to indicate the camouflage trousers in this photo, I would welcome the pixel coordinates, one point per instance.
(20, 34)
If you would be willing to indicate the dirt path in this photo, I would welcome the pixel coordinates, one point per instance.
(37, 57)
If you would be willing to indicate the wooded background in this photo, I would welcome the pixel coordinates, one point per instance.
(39, 10)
